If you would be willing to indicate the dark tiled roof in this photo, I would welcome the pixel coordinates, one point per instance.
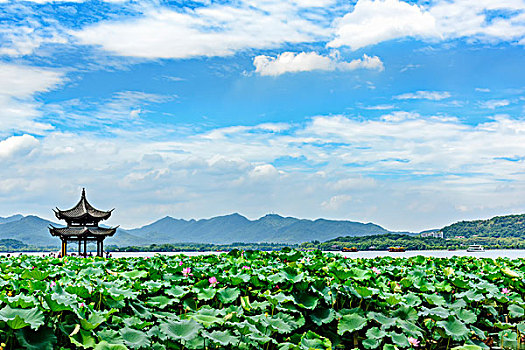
(82, 231)
(83, 210)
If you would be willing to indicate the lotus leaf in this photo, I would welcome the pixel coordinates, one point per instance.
(311, 340)
(42, 339)
(228, 295)
(182, 330)
(454, 328)
(223, 338)
(20, 318)
(516, 311)
(271, 300)
(134, 339)
(322, 316)
(351, 323)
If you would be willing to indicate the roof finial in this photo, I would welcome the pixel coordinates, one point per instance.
(83, 192)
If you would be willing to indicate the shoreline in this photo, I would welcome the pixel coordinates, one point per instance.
(494, 254)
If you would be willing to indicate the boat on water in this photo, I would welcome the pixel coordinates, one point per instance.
(346, 249)
(475, 248)
(396, 249)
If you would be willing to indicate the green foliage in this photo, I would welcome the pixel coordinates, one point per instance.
(7, 245)
(200, 247)
(262, 300)
(498, 227)
(383, 242)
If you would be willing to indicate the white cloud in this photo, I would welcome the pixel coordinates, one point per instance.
(493, 104)
(17, 146)
(427, 95)
(465, 18)
(482, 89)
(290, 62)
(385, 165)
(18, 86)
(355, 183)
(216, 30)
(265, 171)
(372, 22)
(378, 107)
(135, 113)
(124, 107)
(25, 39)
(24, 81)
(399, 116)
(335, 202)
(314, 3)
(366, 62)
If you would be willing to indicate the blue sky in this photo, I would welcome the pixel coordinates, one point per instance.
(403, 113)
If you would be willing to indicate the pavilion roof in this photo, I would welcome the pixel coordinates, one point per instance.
(82, 211)
(82, 231)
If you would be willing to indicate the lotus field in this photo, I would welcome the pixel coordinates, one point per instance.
(261, 300)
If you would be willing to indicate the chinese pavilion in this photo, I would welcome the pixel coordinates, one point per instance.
(82, 226)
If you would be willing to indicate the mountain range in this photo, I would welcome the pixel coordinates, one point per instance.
(226, 229)
(233, 228)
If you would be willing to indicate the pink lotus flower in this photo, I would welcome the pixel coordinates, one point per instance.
(505, 290)
(186, 271)
(413, 341)
(52, 284)
(245, 267)
(81, 305)
(376, 270)
(180, 263)
(213, 281)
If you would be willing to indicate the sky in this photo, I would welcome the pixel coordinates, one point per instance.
(408, 114)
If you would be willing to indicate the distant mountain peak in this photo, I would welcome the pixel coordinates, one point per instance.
(11, 218)
(272, 216)
(232, 215)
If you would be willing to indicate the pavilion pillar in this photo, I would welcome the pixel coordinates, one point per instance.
(63, 250)
(85, 246)
(79, 247)
(102, 248)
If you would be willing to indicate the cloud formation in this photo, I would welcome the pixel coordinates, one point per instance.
(215, 30)
(373, 170)
(290, 62)
(155, 30)
(426, 95)
(493, 104)
(374, 21)
(18, 86)
(17, 146)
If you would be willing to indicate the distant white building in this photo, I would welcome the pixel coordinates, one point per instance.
(435, 234)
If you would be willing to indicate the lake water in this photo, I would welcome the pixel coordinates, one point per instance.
(501, 253)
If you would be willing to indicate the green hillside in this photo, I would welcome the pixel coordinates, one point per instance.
(500, 232)
(379, 242)
(509, 226)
